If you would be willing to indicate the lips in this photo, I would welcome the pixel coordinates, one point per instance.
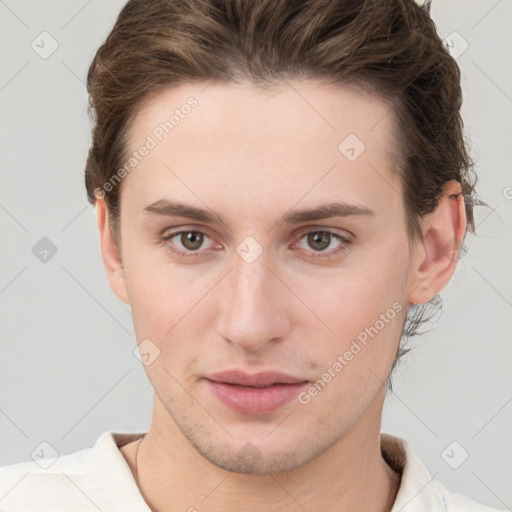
(258, 393)
(257, 380)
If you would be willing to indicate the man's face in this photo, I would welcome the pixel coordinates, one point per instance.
(322, 300)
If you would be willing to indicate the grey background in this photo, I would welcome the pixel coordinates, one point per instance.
(68, 372)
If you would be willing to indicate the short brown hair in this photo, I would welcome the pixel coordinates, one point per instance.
(385, 47)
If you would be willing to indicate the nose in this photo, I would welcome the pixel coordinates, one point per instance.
(252, 305)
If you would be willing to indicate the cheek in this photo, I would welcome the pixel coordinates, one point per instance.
(168, 302)
(352, 298)
(166, 310)
(365, 307)
(156, 290)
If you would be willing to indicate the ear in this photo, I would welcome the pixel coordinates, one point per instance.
(435, 256)
(110, 253)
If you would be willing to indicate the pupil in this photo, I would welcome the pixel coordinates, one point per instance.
(320, 238)
(192, 240)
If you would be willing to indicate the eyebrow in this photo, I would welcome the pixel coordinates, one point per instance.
(175, 209)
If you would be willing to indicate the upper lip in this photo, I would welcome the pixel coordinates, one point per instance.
(261, 379)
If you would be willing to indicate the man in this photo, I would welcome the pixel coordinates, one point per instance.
(276, 184)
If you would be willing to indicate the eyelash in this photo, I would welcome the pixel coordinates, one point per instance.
(345, 243)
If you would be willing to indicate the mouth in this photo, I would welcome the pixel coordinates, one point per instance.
(259, 393)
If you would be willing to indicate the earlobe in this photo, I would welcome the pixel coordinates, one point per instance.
(435, 256)
(110, 252)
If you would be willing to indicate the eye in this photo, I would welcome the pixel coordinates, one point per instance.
(322, 240)
(188, 242)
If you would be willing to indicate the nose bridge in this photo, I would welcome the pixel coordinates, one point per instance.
(251, 313)
(252, 281)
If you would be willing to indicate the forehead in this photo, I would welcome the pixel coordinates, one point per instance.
(262, 142)
(241, 110)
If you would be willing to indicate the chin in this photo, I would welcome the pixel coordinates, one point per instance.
(249, 460)
(258, 452)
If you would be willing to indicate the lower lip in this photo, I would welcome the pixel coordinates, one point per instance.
(250, 400)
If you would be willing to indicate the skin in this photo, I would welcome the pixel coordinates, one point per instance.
(253, 155)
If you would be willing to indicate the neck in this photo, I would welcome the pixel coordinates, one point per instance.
(351, 475)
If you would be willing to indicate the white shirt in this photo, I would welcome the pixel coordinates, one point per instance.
(99, 478)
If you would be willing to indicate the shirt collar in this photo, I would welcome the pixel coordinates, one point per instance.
(418, 491)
